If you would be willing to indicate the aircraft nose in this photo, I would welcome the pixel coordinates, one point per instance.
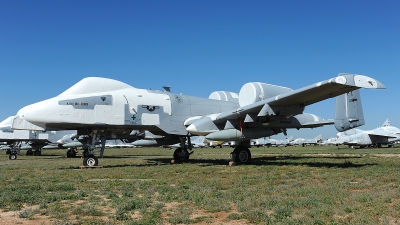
(31, 113)
(36, 113)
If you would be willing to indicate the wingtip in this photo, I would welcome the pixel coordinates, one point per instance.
(361, 81)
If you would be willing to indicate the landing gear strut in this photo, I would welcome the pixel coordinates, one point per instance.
(89, 158)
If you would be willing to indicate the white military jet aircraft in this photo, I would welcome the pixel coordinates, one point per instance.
(332, 141)
(271, 142)
(32, 141)
(305, 141)
(100, 106)
(385, 135)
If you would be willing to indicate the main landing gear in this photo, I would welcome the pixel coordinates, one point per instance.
(182, 154)
(88, 155)
(241, 154)
(34, 153)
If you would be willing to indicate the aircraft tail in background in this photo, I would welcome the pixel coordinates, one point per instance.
(386, 123)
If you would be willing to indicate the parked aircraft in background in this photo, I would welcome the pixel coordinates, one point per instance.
(73, 141)
(199, 142)
(116, 143)
(214, 144)
(101, 107)
(332, 141)
(231, 144)
(196, 142)
(271, 142)
(385, 135)
(304, 141)
(32, 141)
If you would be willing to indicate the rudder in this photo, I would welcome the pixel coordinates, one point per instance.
(349, 113)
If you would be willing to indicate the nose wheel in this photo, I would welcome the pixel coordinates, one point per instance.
(91, 161)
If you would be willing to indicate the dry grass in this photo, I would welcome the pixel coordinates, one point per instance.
(293, 185)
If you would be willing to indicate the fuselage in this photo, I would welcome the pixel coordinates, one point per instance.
(125, 107)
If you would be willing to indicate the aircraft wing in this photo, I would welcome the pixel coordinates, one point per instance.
(288, 102)
(289, 105)
(381, 135)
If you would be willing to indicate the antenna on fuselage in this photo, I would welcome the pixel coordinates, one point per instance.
(167, 88)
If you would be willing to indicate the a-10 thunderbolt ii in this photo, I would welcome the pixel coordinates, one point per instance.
(100, 107)
(32, 141)
(384, 135)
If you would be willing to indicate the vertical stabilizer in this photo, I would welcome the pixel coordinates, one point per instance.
(349, 113)
(386, 123)
(319, 137)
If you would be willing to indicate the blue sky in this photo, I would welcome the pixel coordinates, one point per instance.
(198, 47)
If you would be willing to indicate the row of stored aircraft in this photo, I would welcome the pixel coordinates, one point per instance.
(102, 108)
(287, 142)
(384, 135)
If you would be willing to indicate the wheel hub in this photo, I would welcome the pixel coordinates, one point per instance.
(91, 162)
(243, 157)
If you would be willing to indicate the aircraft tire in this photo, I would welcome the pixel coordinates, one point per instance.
(181, 156)
(71, 153)
(12, 157)
(91, 161)
(37, 153)
(29, 152)
(241, 154)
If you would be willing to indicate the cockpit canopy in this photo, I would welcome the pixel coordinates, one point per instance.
(90, 85)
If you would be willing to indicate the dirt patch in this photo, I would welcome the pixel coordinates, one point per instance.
(12, 218)
(217, 217)
(387, 155)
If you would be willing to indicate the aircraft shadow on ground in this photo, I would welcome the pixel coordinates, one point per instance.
(259, 161)
(31, 157)
(345, 164)
(128, 156)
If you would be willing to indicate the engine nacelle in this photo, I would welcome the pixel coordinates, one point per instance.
(256, 91)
